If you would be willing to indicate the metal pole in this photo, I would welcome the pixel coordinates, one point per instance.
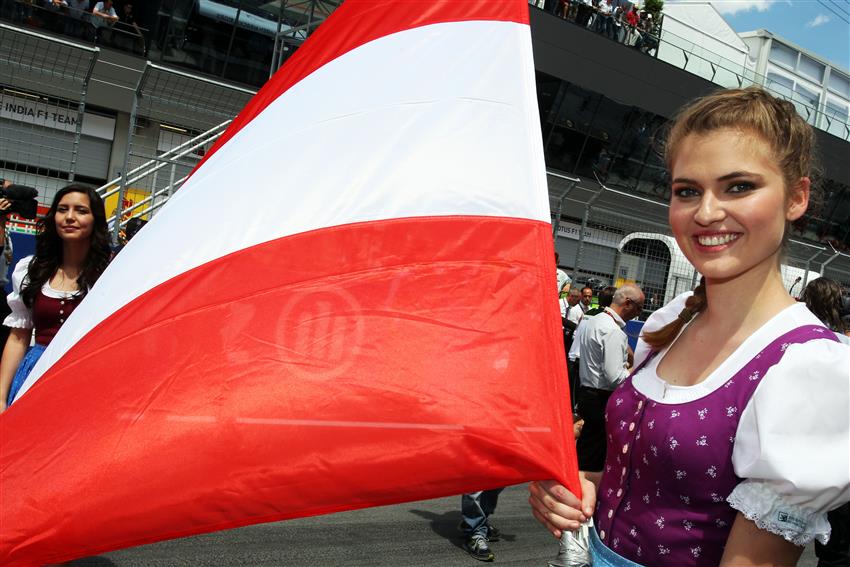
(171, 180)
(278, 43)
(81, 110)
(572, 183)
(808, 268)
(232, 35)
(583, 230)
(122, 188)
(828, 262)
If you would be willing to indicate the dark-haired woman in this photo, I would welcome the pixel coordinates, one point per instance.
(72, 250)
(825, 299)
(730, 441)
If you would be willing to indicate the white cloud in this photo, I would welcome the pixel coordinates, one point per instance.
(735, 6)
(818, 20)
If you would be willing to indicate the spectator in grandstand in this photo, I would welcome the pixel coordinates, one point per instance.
(603, 365)
(585, 10)
(563, 279)
(604, 18)
(564, 8)
(103, 18)
(617, 19)
(646, 41)
(630, 34)
(606, 296)
(78, 18)
(72, 250)
(729, 442)
(130, 36)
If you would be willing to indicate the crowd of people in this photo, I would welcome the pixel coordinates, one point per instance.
(97, 21)
(620, 20)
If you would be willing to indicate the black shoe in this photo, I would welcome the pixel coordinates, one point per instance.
(493, 533)
(476, 546)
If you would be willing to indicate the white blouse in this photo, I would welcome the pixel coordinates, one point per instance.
(21, 315)
(792, 446)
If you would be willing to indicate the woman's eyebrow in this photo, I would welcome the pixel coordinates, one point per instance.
(737, 174)
(685, 180)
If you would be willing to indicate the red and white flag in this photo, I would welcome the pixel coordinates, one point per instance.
(350, 303)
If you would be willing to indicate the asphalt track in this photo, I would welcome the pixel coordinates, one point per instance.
(415, 534)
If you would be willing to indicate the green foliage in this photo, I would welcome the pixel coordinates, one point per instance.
(654, 7)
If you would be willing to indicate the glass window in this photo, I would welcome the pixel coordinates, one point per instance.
(835, 108)
(837, 118)
(839, 83)
(806, 102)
(780, 85)
(811, 68)
(807, 96)
(569, 133)
(783, 55)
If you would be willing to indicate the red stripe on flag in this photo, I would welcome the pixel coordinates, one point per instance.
(358, 22)
(252, 390)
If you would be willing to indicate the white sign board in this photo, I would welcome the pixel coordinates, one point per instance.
(40, 113)
(591, 235)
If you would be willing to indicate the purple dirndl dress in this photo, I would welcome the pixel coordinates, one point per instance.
(669, 470)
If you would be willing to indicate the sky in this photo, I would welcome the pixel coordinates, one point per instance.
(820, 26)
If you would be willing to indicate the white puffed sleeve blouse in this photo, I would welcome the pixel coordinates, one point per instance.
(21, 315)
(792, 447)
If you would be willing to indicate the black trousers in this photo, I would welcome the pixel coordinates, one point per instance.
(572, 374)
(836, 553)
(591, 444)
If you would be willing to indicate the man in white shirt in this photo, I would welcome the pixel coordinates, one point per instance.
(571, 307)
(603, 365)
(606, 296)
(103, 18)
(605, 22)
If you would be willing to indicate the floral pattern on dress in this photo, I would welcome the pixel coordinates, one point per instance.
(669, 470)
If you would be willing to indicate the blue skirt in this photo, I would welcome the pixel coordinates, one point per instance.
(24, 368)
(605, 557)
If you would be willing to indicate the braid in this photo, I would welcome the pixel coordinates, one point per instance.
(665, 335)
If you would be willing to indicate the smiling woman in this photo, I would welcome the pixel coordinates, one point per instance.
(704, 465)
(72, 250)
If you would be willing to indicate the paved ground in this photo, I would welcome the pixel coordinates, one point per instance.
(416, 534)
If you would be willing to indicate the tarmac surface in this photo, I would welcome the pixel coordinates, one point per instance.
(415, 534)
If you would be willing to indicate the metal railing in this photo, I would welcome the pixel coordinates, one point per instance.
(168, 161)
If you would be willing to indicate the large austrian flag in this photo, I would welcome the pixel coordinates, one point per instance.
(350, 303)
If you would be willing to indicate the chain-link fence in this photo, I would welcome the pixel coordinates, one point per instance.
(48, 140)
(610, 237)
(175, 119)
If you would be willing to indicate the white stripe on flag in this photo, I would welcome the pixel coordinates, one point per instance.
(341, 148)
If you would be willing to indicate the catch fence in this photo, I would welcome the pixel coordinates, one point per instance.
(46, 140)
